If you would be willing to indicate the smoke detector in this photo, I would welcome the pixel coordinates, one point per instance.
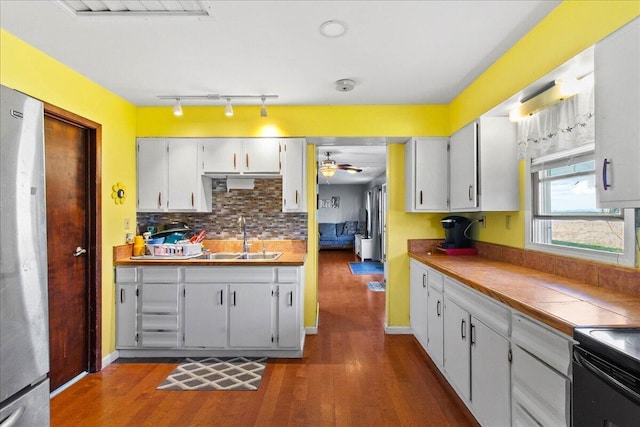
(345, 85)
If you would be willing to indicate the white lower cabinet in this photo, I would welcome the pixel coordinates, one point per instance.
(126, 315)
(250, 315)
(418, 301)
(457, 363)
(205, 315)
(490, 375)
(541, 374)
(508, 368)
(178, 310)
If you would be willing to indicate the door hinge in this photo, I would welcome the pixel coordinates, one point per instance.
(137, 292)
(137, 335)
(448, 146)
(510, 356)
(272, 338)
(184, 292)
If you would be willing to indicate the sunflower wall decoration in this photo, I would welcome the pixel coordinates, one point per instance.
(119, 193)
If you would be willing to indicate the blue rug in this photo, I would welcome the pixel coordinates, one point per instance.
(366, 267)
(376, 286)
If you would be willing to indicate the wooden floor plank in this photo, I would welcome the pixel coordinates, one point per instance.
(352, 374)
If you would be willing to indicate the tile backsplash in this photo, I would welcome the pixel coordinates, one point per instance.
(262, 208)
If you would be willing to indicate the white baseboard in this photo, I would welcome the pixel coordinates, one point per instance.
(313, 330)
(397, 330)
(110, 358)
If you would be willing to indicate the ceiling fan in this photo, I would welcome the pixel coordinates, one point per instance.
(329, 167)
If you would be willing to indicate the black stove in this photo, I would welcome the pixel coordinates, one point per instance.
(606, 377)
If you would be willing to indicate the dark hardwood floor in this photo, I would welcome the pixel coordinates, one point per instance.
(352, 374)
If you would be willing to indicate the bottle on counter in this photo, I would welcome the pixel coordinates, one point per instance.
(138, 246)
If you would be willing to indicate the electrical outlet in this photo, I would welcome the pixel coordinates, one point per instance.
(507, 222)
(483, 221)
(127, 223)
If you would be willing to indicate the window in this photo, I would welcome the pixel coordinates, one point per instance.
(563, 214)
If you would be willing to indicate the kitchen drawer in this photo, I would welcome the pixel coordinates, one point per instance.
(160, 339)
(228, 275)
(287, 275)
(550, 346)
(126, 274)
(159, 298)
(539, 390)
(435, 280)
(160, 274)
(160, 322)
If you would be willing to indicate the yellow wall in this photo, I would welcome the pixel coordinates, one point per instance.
(30, 71)
(569, 29)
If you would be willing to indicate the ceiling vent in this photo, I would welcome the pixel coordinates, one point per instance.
(136, 8)
(345, 85)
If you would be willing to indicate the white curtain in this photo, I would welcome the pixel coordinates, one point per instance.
(563, 126)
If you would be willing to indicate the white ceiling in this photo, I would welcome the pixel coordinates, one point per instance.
(397, 52)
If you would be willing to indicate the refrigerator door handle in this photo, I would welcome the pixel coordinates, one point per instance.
(14, 418)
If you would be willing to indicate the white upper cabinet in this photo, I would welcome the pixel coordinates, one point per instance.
(617, 126)
(246, 156)
(294, 174)
(483, 167)
(426, 167)
(168, 176)
(463, 172)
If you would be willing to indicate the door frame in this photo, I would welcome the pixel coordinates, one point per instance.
(94, 276)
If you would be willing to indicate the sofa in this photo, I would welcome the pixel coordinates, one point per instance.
(340, 235)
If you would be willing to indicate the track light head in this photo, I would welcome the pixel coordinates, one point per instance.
(263, 109)
(228, 110)
(177, 108)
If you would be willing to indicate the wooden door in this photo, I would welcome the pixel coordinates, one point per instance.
(66, 165)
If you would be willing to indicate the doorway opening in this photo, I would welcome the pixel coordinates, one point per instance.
(351, 215)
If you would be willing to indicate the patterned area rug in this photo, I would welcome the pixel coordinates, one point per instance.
(216, 373)
(376, 286)
(367, 267)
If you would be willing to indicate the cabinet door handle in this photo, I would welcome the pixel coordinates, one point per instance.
(463, 328)
(246, 160)
(160, 199)
(193, 201)
(234, 161)
(438, 308)
(296, 197)
(605, 184)
(420, 196)
(291, 299)
(470, 190)
(234, 298)
(473, 334)
(121, 295)
(424, 280)
(221, 297)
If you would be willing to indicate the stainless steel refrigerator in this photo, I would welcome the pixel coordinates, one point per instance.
(24, 318)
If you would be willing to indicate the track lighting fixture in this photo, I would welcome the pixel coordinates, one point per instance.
(177, 108)
(263, 109)
(228, 110)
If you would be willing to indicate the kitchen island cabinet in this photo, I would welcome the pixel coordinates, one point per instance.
(210, 311)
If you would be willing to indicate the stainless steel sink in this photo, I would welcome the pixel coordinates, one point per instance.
(239, 256)
(261, 256)
(222, 255)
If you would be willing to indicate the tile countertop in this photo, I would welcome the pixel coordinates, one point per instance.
(294, 253)
(554, 300)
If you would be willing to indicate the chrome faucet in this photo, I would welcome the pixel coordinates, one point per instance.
(242, 226)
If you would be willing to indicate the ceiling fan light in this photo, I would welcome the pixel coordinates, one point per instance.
(327, 171)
